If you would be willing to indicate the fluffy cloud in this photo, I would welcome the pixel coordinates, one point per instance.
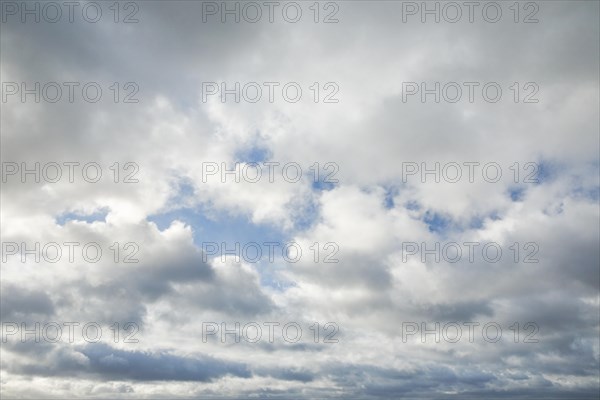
(353, 224)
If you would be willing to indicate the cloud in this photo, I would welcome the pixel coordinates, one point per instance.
(109, 363)
(362, 220)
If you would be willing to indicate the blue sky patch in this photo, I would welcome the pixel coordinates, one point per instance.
(436, 222)
(254, 154)
(211, 226)
(99, 215)
(516, 193)
(390, 193)
(412, 205)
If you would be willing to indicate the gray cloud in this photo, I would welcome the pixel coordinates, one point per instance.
(369, 213)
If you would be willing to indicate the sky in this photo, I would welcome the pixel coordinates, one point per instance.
(310, 199)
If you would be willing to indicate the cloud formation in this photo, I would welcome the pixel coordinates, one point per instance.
(376, 305)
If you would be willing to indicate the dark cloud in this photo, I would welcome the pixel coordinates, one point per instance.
(23, 304)
(369, 53)
(107, 363)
